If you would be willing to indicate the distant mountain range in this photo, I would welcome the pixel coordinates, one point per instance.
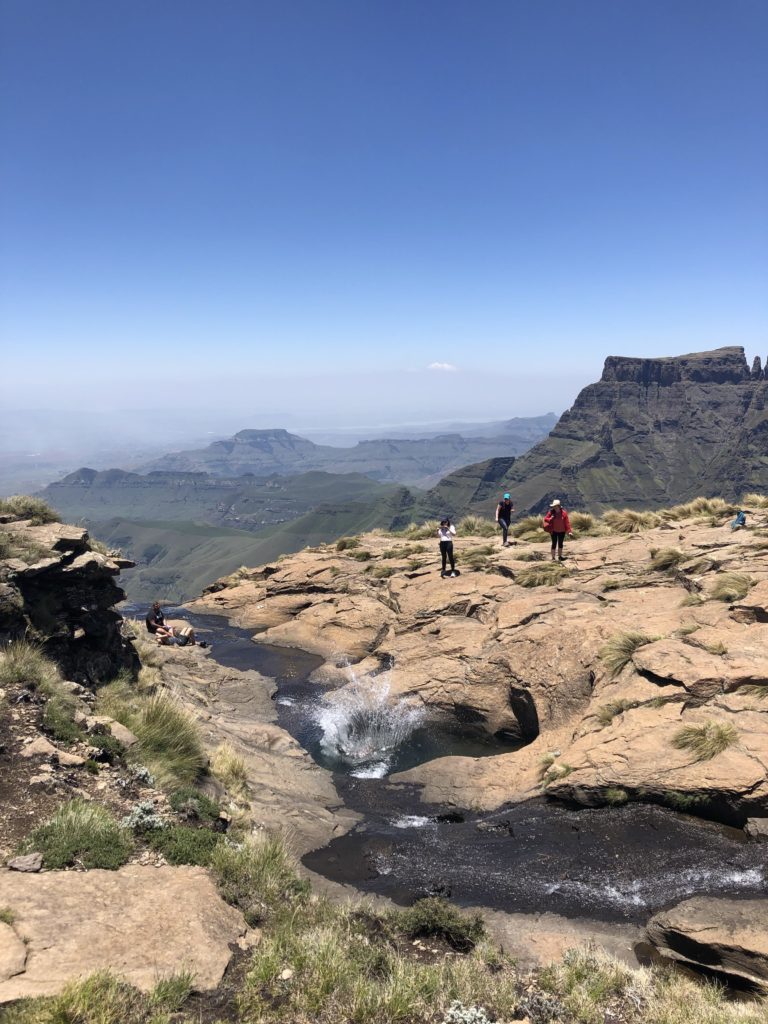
(649, 433)
(420, 462)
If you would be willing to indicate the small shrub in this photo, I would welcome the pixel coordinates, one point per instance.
(169, 742)
(22, 506)
(191, 803)
(436, 918)
(628, 520)
(546, 574)
(458, 1013)
(180, 844)
(347, 543)
(607, 712)
(707, 740)
(7, 916)
(111, 750)
(666, 559)
(618, 650)
(258, 876)
(683, 801)
(143, 817)
(731, 586)
(84, 833)
(615, 797)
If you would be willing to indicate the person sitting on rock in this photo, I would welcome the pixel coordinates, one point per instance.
(446, 533)
(155, 621)
(184, 637)
(557, 524)
(739, 521)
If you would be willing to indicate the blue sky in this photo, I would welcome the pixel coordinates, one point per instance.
(271, 205)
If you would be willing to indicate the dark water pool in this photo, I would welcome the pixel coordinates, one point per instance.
(613, 864)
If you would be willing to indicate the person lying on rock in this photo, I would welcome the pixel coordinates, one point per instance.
(557, 524)
(155, 621)
(184, 637)
(446, 532)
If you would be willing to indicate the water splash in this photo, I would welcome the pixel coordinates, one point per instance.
(362, 725)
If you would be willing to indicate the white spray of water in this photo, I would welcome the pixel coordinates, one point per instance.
(362, 725)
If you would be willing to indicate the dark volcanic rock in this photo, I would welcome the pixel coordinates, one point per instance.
(650, 433)
(65, 599)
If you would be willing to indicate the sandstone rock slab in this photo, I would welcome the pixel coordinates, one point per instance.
(140, 923)
(725, 935)
(13, 953)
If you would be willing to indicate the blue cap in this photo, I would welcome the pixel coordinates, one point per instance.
(506, 495)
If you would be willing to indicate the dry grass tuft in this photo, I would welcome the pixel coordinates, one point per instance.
(607, 712)
(628, 520)
(475, 526)
(23, 506)
(618, 650)
(541, 574)
(731, 586)
(229, 767)
(707, 740)
(667, 558)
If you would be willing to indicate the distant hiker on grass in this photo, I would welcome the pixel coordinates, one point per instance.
(557, 524)
(504, 511)
(446, 532)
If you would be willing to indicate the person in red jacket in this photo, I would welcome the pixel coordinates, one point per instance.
(557, 524)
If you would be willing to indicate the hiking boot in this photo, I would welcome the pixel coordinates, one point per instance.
(442, 574)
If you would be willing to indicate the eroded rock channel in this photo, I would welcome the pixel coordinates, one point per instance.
(612, 864)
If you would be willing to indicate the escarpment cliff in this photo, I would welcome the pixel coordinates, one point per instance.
(649, 433)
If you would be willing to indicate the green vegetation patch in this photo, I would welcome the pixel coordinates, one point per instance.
(192, 803)
(181, 844)
(82, 833)
(23, 663)
(436, 918)
(59, 718)
(258, 876)
(707, 740)
(169, 742)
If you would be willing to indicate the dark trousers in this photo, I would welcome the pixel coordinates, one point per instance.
(557, 541)
(504, 530)
(446, 552)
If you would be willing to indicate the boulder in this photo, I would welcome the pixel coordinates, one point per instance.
(724, 935)
(39, 747)
(104, 724)
(757, 828)
(140, 923)
(29, 862)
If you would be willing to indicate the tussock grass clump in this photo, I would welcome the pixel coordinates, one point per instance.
(541, 574)
(476, 526)
(618, 650)
(382, 572)
(23, 506)
(169, 742)
(436, 918)
(529, 556)
(23, 663)
(701, 507)
(629, 520)
(361, 555)
(586, 525)
(259, 876)
(615, 796)
(229, 767)
(404, 551)
(667, 558)
(81, 833)
(707, 740)
(529, 528)
(607, 712)
(419, 531)
(754, 500)
(347, 543)
(556, 771)
(59, 718)
(731, 586)
(195, 805)
(691, 599)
